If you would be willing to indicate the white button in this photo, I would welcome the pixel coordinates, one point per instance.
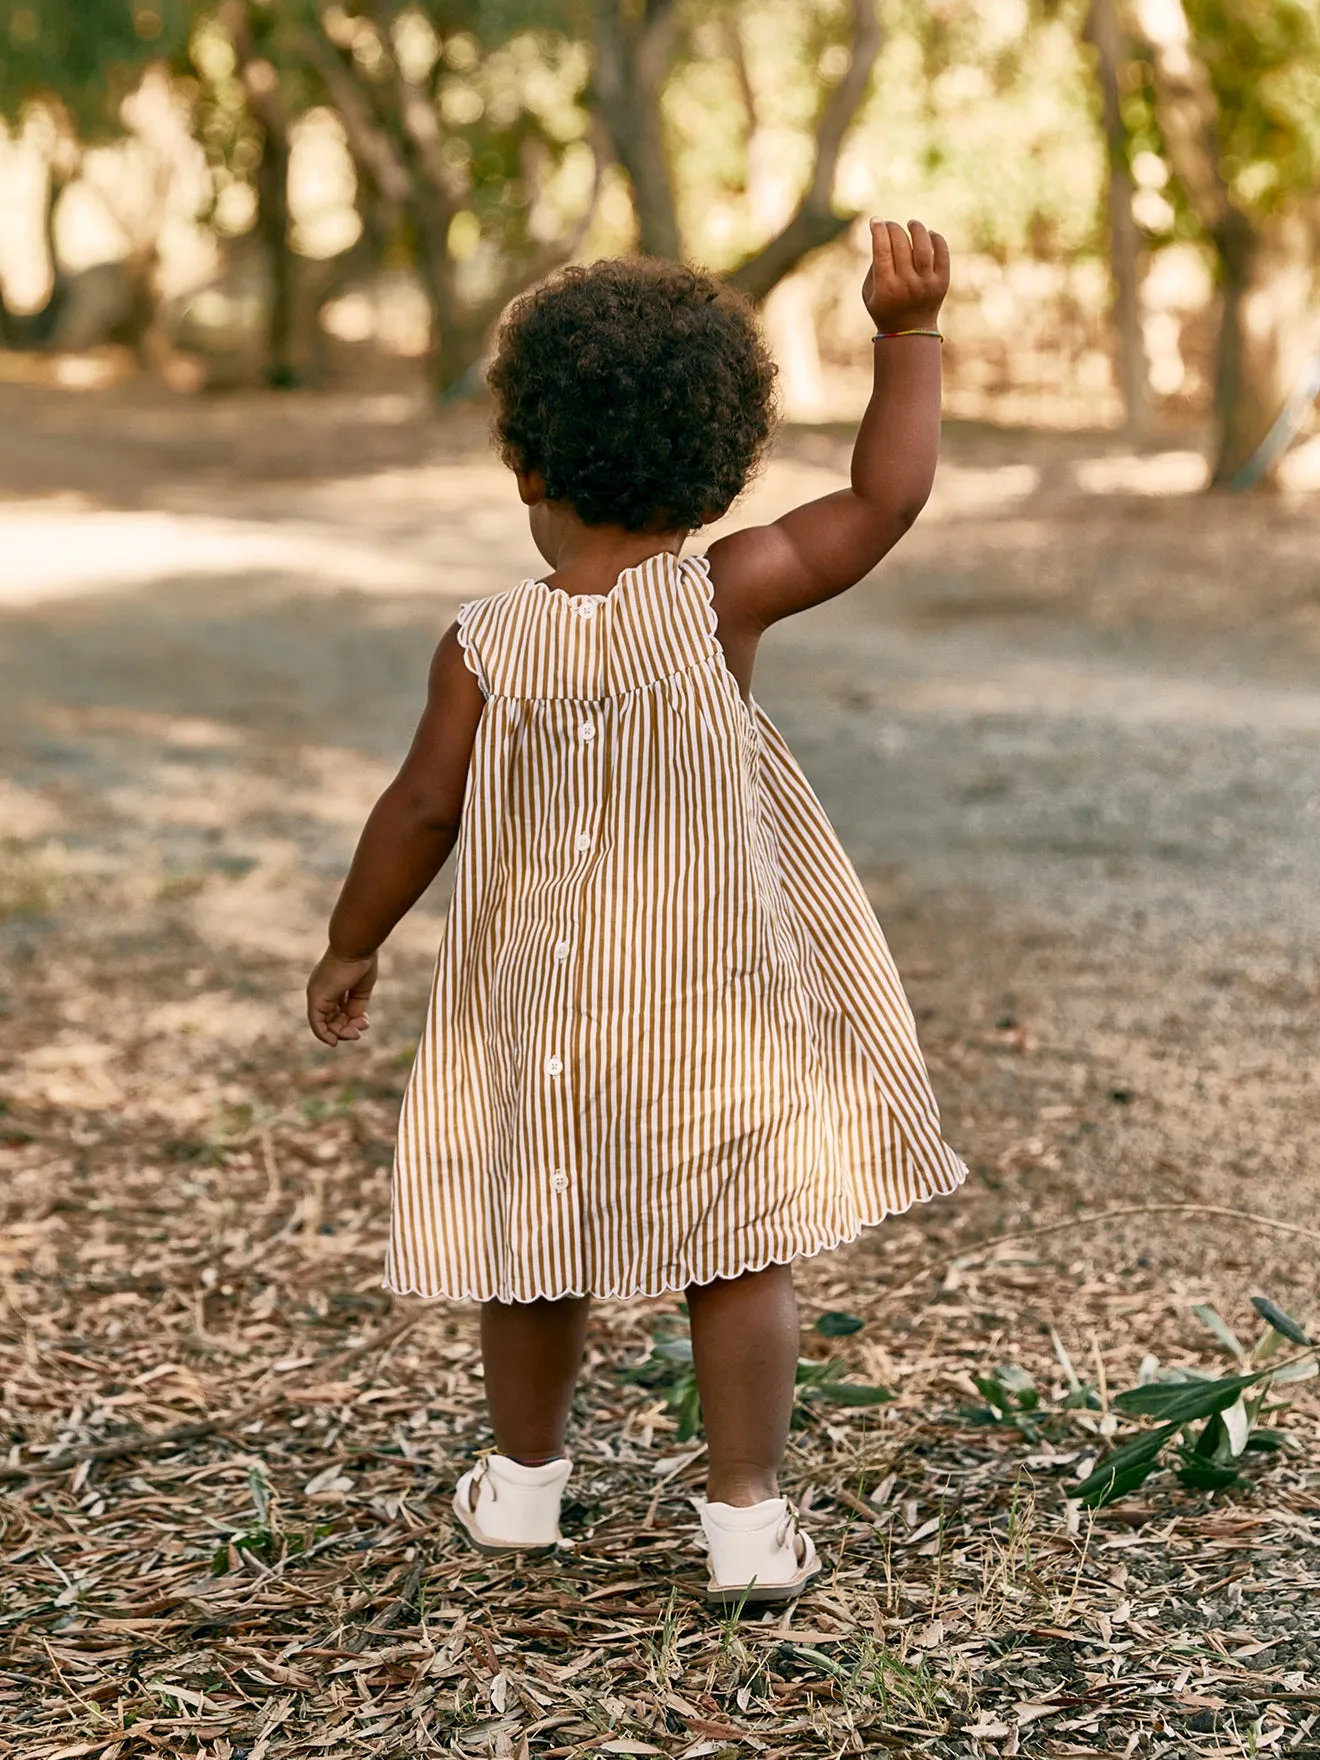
(583, 842)
(562, 951)
(559, 1181)
(554, 1066)
(587, 731)
(586, 609)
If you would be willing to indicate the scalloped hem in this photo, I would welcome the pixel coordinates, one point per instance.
(645, 1292)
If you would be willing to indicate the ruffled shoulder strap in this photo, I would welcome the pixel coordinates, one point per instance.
(494, 634)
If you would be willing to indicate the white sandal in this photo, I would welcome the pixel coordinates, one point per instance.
(757, 1552)
(505, 1506)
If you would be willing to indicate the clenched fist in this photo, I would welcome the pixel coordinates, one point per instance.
(908, 278)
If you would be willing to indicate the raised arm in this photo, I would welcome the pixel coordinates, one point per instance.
(820, 549)
(405, 842)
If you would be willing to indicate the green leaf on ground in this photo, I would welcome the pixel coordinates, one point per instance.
(849, 1393)
(1199, 1474)
(1110, 1485)
(1221, 1329)
(1274, 1316)
(1265, 1441)
(1111, 1477)
(1183, 1401)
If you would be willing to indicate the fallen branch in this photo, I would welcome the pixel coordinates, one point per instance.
(962, 1254)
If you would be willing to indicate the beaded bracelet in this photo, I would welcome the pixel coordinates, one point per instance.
(885, 335)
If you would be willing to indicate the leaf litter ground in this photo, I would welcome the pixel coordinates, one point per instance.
(227, 1532)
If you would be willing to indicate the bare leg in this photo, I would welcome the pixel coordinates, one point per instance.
(745, 1339)
(532, 1352)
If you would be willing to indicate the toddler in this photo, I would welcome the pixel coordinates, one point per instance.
(667, 1048)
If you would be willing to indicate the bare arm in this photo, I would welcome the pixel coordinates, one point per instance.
(820, 549)
(406, 840)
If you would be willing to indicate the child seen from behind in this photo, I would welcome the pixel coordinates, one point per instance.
(667, 1048)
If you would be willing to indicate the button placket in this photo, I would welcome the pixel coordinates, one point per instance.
(558, 1095)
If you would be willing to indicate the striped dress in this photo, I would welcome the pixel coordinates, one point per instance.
(666, 1039)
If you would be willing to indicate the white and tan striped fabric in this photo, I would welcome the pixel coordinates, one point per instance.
(666, 1040)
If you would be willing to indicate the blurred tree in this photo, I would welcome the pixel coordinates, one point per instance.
(634, 55)
(251, 69)
(990, 111)
(459, 116)
(74, 63)
(637, 47)
(275, 88)
(1103, 30)
(1237, 99)
(87, 54)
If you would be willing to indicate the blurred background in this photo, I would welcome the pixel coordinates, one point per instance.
(295, 193)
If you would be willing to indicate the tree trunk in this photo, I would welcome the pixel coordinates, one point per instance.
(281, 269)
(266, 106)
(1267, 283)
(395, 141)
(451, 347)
(37, 330)
(1105, 35)
(1266, 269)
(804, 233)
(632, 62)
(633, 58)
(814, 222)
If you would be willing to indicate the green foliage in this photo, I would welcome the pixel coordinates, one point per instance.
(1199, 1398)
(821, 1381)
(1011, 1398)
(1205, 1424)
(988, 112)
(1208, 1458)
(1013, 1402)
(263, 1539)
(1275, 1318)
(669, 1369)
(1263, 58)
(87, 53)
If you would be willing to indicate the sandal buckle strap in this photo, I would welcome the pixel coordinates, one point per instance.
(480, 1474)
(789, 1524)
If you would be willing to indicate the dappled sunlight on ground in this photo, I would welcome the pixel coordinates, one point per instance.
(1159, 473)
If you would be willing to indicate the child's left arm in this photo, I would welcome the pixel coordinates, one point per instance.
(818, 550)
(404, 844)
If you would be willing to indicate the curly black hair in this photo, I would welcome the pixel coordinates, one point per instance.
(640, 390)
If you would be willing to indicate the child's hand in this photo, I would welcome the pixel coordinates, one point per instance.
(337, 994)
(908, 279)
